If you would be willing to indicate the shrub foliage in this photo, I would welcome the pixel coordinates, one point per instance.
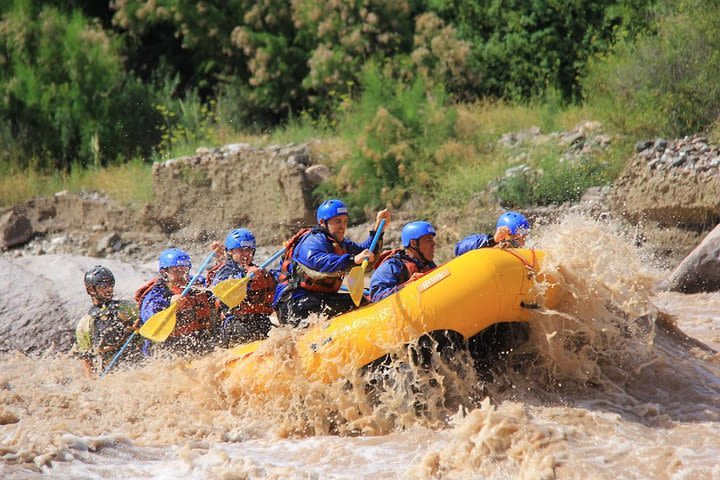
(92, 83)
(64, 92)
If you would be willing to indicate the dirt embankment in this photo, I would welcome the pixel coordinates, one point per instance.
(198, 198)
(670, 190)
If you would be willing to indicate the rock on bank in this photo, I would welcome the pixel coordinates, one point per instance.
(671, 190)
(196, 198)
(43, 297)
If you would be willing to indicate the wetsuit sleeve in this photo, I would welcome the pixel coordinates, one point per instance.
(473, 242)
(227, 271)
(152, 304)
(387, 279)
(83, 337)
(315, 252)
(221, 275)
(355, 248)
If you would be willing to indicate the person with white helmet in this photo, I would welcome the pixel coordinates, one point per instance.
(102, 331)
(511, 230)
(197, 316)
(250, 320)
(316, 262)
(404, 265)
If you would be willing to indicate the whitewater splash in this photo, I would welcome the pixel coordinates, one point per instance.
(601, 390)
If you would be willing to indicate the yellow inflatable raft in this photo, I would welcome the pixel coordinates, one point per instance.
(466, 295)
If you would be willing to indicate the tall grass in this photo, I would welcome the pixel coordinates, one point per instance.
(128, 184)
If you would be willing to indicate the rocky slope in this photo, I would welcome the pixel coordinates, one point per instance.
(44, 297)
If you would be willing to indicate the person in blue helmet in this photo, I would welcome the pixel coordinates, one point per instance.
(250, 320)
(401, 266)
(197, 316)
(511, 230)
(316, 262)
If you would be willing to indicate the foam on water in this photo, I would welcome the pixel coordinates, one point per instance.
(607, 386)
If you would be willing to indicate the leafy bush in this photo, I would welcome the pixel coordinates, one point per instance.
(666, 83)
(553, 180)
(521, 48)
(395, 132)
(64, 93)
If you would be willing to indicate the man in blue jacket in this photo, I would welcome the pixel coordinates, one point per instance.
(197, 316)
(511, 230)
(316, 263)
(250, 320)
(404, 265)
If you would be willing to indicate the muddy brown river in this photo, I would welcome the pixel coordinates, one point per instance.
(620, 381)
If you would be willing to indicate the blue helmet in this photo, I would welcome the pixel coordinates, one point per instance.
(415, 230)
(174, 257)
(516, 222)
(240, 238)
(330, 209)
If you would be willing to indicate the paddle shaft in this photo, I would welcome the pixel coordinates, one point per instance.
(118, 354)
(376, 237)
(267, 262)
(200, 270)
(374, 242)
(274, 257)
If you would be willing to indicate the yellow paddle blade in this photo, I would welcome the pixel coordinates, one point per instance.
(231, 291)
(160, 326)
(356, 282)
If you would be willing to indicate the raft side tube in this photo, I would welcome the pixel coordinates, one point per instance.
(466, 295)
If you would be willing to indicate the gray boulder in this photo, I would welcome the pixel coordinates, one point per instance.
(15, 228)
(700, 271)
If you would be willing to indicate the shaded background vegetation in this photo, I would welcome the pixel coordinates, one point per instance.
(85, 85)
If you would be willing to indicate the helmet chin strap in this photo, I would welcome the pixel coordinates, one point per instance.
(417, 251)
(325, 226)
(96, 297)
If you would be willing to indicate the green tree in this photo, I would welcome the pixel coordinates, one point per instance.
(666, 82)
(520, 48)
(64, 93)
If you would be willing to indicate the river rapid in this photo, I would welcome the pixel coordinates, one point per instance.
(618, 381)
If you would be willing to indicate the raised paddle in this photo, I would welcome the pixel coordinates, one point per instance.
(160, 326)
(234, 290)
(356, 277)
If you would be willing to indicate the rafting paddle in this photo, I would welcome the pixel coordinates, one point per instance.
(160, 326)
(118, 354)
(356, 277)
(234, 290)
